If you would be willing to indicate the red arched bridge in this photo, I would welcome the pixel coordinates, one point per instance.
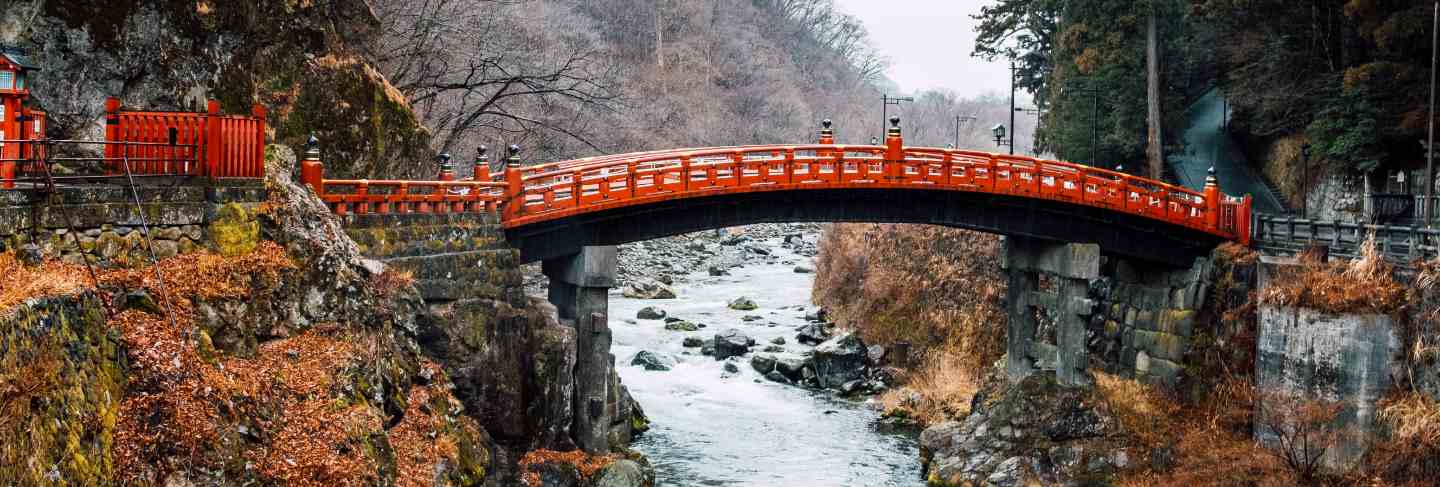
(554, 209)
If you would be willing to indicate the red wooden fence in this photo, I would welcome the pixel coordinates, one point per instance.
(203, 144)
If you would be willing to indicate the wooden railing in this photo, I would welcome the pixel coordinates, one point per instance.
(367, 196)
(231, 146)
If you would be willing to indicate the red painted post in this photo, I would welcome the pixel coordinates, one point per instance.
(112, 133)
(514, 185)
(482, 165)
(312, 171)
(1242, 221)
(894, 150)
(1212, 201)
(213, 139)
(257, 169)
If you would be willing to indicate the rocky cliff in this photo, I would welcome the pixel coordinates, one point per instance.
(302, 60)
(293, 362)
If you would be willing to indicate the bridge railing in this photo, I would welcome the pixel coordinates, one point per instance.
(556, 190)
(385, 196)
(1400, 244)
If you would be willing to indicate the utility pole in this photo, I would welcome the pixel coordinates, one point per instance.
(1430, 137)
(958, 118)
(1036, 112)
(1012, 106)
(885, 101)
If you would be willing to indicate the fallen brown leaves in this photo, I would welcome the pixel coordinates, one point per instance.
(19, 282)
(586, 463)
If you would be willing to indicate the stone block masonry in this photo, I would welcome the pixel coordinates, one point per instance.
(1145, 317)
(108, 224)
(451, 256)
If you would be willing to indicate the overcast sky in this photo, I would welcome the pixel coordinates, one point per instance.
(928, 43)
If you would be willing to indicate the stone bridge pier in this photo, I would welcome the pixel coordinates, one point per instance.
(579, 288)
(1063, 306)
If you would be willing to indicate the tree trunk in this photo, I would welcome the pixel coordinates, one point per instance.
(1155, 146)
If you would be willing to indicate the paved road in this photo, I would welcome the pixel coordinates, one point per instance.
(1206, 145)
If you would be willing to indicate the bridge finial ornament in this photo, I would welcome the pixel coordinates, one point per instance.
(513, 157)
(482, 164)
(312, 147)
(827, 135)
(1210, 178)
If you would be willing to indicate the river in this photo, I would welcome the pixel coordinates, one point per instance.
(709, 427)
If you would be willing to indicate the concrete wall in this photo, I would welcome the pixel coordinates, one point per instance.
(108, 223)
(1352, 359)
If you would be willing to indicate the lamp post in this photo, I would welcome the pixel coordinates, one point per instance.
(999, 132)
(1305, 181)
(958, 118)
(885, 101)
(1012, 102)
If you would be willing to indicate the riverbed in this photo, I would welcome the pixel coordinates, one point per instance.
(710, 427)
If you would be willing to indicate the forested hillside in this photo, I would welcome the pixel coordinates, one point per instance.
(572, 78)
(1348, 77)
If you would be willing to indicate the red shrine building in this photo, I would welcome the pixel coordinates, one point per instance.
(17, 123)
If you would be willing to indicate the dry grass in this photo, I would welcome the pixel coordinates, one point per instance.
(1410, 456)
(1143, 412)
(939, 288)
(941, 388)
(1363, 285)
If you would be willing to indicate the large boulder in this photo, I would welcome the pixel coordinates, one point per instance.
(840, 360)
(622, 473)
(792, 368)
(731, 343)
(653, 361)
(743, 303)
(648, 289)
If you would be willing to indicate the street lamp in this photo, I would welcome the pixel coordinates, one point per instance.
(885, 101)
(999, 132)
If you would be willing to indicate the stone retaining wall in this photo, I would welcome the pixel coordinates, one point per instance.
(451, 256)
(1146, 317)
(109, 227)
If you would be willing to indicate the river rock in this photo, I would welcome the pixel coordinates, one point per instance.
(776, 376)
(749, 318)
(840, 360)
(681, 326)
(707, 347)
(792, 367)
(731, 343)
(743, 303)
(692, 342)
(653, 361)
(763, 364)
(778, 340)
(730, 367)
(818, 315)
(774, 348)
(734, 240)
(648, 289)
(650, 313)
(717, 271)
(813, 334)
(621, 473)
(803, 269)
